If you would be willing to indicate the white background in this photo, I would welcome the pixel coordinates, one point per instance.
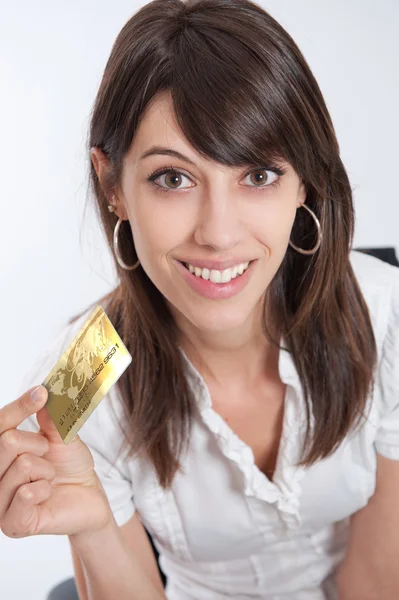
(53, 258)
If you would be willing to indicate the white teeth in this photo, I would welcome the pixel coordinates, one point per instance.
(219, 276)
(216, 276)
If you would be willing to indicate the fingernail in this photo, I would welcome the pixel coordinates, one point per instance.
(37, 394)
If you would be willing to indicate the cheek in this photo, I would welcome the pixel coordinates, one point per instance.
(157, 230)
(273, 227)
(158, 234)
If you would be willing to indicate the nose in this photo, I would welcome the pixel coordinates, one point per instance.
(219, 224)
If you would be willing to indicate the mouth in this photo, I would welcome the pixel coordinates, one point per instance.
(185, 264)
(214, 288)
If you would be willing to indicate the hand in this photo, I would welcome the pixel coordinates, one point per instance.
(46, 486)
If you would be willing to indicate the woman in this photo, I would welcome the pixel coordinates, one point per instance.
(255, 433)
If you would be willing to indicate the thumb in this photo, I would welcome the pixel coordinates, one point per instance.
(48, 427)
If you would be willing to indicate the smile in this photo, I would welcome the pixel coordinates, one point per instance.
(215, 284)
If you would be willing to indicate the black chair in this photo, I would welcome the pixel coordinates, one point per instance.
(66, 590)
(387, 254)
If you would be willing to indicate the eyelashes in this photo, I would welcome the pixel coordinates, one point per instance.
(152, 177)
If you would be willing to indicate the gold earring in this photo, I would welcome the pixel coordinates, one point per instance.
(111, 208)
(319, 235)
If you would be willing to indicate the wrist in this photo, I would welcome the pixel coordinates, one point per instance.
(98, 523)
(90, 539)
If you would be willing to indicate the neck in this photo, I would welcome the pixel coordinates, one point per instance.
(236, 359)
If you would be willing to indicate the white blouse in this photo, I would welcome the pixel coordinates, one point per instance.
(224, 530)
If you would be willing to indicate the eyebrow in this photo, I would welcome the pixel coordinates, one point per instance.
(165, 151)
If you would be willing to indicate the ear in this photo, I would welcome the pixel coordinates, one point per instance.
(302, 193)
(101, 165)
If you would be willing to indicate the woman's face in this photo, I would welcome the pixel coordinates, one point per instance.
(208, 212)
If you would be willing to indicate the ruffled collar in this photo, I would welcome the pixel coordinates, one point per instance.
(285, 488)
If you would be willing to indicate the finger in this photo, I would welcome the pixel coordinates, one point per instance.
(25, 469)
(23, 516)
(14, 413)
(48, 428)
(14, 442)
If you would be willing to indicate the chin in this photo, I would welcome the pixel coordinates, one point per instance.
(217, 321)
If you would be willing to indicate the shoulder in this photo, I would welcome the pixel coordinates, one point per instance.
(372, 272)
(379, 284)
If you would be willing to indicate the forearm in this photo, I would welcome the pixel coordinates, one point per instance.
(356, 580)
(110, 571)
(370, 568)
(351, 587)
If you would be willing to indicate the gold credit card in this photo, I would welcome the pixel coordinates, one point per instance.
(89, 367)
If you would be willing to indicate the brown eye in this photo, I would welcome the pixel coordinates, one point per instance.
(174, 179)
(259, 177)
(159, 179)
(263, 178)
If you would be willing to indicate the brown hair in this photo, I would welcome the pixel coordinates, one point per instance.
(242, 91)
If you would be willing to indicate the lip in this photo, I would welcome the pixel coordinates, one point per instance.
(218, 265)
(216, 291)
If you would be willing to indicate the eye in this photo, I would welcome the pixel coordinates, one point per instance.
(173, 178)
(262, 180)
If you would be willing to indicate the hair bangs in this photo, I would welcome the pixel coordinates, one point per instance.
(225, 103)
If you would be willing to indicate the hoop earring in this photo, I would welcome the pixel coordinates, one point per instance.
(319, 235)
(111, 208)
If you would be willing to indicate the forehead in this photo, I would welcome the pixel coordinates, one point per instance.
(158, 125)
